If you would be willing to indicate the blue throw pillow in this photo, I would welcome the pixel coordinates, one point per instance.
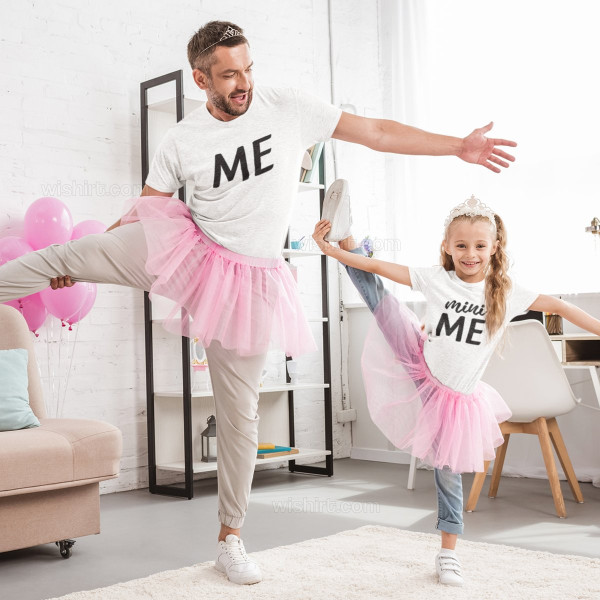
(15, 412)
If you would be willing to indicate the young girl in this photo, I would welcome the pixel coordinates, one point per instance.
(423, 381)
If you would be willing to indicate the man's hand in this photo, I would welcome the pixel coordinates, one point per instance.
(481, 150)
(321, 229)
(61, 282)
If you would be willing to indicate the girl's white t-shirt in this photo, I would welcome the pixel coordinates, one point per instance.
(457, 349)
(244, 172)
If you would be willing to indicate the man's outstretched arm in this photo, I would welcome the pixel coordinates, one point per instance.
(390, 136)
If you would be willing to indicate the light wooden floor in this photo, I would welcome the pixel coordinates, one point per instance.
(143, 534)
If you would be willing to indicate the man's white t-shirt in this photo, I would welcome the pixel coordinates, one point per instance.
(245, 172)
(457, 349)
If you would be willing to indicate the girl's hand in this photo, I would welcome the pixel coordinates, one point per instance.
(321, 229)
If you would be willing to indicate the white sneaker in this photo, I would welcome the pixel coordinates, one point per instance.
(448, 567)
(234, 562)
(336, 209)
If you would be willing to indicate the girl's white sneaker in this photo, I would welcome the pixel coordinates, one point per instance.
(234, 562)
(447, 566)
(336, 209)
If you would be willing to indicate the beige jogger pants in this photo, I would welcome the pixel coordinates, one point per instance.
(119, 257)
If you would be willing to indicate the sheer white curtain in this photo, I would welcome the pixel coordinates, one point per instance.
(530, 66)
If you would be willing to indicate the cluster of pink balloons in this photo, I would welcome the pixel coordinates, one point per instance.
(48, 221)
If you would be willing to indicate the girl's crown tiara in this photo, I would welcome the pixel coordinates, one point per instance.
(473, 207)
(229, 33)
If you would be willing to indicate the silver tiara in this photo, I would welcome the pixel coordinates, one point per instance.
(473, 207)
(230, 32)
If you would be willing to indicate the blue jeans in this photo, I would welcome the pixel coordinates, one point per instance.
(448, 484)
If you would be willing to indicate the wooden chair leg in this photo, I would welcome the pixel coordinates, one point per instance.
(565, 461)
(498, 464)
(476, 488)
(546, 445)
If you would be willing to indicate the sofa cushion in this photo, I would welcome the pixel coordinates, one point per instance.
(59, 451)
(15, 412)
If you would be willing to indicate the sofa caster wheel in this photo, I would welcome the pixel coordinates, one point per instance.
(65, 547)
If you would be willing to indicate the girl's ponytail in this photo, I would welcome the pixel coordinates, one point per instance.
(497, 283)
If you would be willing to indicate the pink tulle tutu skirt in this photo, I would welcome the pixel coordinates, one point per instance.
(247, 303)
(416, 412)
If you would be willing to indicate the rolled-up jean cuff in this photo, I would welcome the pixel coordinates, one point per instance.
(231, 521)
(456, 528)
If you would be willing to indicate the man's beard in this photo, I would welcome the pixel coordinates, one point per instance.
(223, 104)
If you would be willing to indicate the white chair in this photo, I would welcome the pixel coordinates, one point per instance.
(530, 378)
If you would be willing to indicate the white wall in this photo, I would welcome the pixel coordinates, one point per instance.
(70, 119)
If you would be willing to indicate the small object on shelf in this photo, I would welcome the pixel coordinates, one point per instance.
(297, 244)
(292, 369)
(594, 227)
(367, 245)
(266, 446)
(307, 161)
(277, 451)
(199, 363)
(267, 374)
(209, 441)
(306, 175)
(554, 324)
(262, 377)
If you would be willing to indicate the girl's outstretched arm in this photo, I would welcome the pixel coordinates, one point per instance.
(568, 311)
(390, 270)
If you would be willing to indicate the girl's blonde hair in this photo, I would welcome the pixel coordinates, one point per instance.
(497, 282)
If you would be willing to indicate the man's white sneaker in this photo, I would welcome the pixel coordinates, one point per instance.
(234, 562)
(448, 567)
(336, 209)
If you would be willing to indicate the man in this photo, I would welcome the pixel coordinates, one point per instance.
(242, 149)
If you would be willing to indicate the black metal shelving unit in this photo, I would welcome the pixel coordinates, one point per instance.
(187, 490)
(328, 468)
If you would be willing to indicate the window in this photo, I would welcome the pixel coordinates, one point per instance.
(532, 68)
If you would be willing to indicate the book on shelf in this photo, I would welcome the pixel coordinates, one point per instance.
(276, 451)
(315, 154)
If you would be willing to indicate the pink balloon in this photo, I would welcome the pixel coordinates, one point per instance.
(47, 221)
(33, 309)
(88, 303)
(12, 247)
(87, 228)
(64, 302)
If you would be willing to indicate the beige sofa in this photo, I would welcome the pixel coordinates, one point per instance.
(49, 475)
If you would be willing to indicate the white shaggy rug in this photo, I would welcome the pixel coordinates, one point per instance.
(375, 562)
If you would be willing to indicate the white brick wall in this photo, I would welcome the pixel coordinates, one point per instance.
(70, 122)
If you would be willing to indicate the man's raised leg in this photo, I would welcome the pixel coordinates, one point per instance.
(117, 257)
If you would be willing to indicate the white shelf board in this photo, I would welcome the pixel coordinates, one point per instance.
(266, 389)
(170, 106)
(575, 336)
(308, 187)
(202, 467)
(289, 253)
